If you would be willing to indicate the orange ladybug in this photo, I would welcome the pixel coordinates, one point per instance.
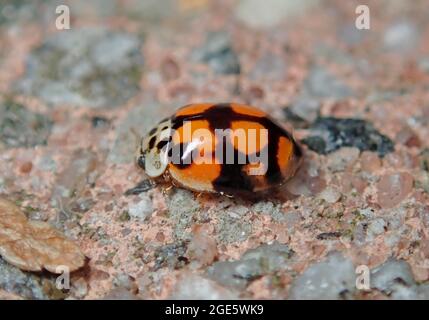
(225, 148)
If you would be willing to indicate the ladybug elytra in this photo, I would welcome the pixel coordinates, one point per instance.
(224, 148)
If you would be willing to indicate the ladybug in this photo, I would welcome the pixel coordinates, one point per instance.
(225, 148)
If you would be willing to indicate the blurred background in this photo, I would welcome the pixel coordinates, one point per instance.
(189, 50)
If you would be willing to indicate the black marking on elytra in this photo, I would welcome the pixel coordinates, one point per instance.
(152, 131)
(161, 144)
(152, 142)
(232, 176)
(220, 116)
(297, 149)
(273, 174)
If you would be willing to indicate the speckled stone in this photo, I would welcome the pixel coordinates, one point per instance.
(92, 67)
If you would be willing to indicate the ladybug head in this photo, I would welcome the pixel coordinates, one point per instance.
(153, 150)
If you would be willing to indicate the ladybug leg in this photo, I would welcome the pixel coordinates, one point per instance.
(199, 194)
(167, 189)
(141, 187)
(226, 195)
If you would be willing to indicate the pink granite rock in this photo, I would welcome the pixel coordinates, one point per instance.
(393, 188)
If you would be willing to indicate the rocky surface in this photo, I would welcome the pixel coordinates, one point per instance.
(22, 128)
(74, 104)
(92, 67)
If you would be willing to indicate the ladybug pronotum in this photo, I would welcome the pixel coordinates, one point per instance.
(223, 148)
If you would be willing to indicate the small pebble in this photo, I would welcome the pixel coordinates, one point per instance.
(393, 188)
(376, 227)
(320, 282)
(407, 137)
(26, 167)
(195, 287)
(370, 162)
(330, 195)
(202, 247)
(141, 210)
(401, 37)
(391, 273)
(306, 108)
(342, 159)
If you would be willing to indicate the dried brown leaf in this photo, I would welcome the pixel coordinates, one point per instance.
(34, 245)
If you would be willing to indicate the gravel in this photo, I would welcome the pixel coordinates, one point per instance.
(195, 287)
(143, 209)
